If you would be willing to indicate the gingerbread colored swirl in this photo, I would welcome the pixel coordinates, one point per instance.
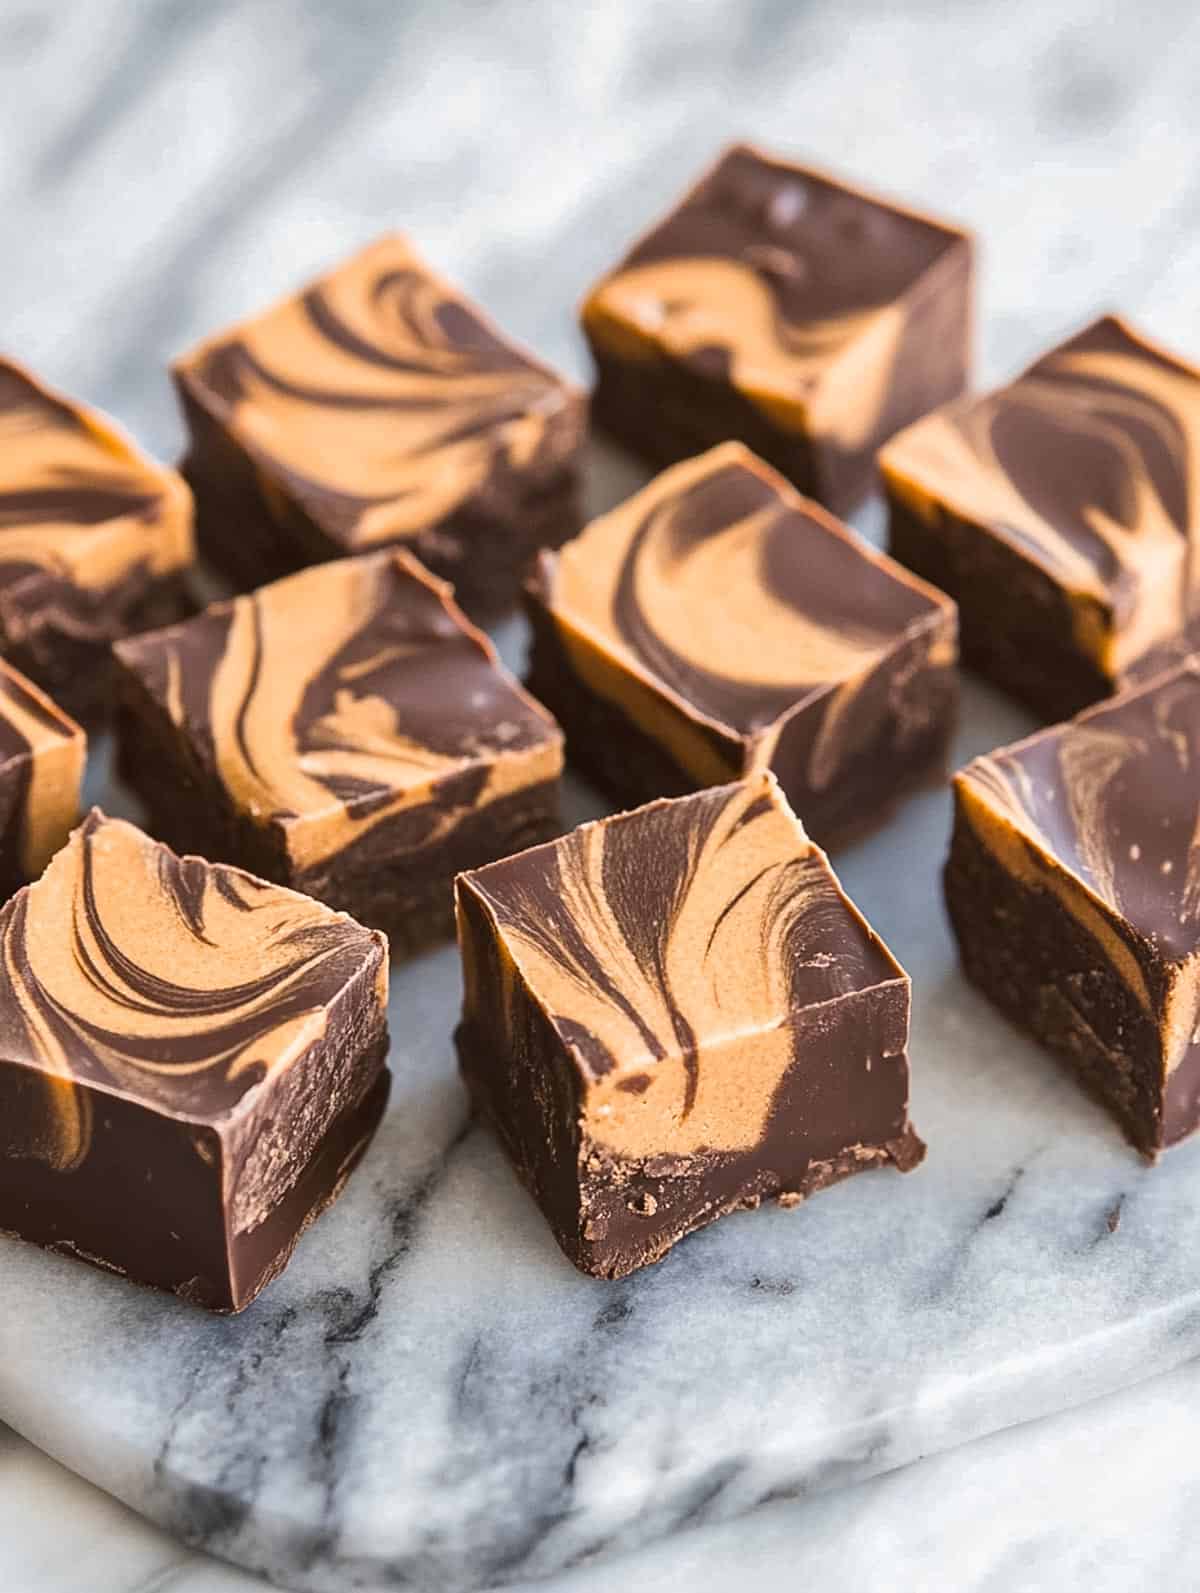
(765, 273)
(670, 937)
(1089, 464)
(78, 503)
(379, 398)
(336, 699)
(176, 980)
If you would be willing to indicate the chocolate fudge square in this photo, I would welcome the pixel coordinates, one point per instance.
(191, 1064)
(676, 1013)
(1074, 889)
(1062, 515)
(94, 541)
(718, 623)
(379, 406)
(778, 307)
(344, 731)
(42, 756)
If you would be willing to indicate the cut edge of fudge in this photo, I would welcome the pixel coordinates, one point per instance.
(613, 1210)
(1109, 996)
(34, 730)
(252, 1167)
(648, 739)
(406, 891)
(793, 425)
(480, 541)
(939, 527)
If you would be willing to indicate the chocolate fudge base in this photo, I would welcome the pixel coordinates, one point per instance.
(393, 878)
(252, 534)
(612, 1215)
(629, 766)
(1040, 967)
(99, 1212)
(664, 411)
(1016, 624)
(68, 651)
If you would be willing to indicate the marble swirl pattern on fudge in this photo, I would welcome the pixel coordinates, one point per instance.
(336, 699)
(169, 980)
(78, 504)
(382, 400)
(719, 584)
(42, 754)
(667, 943)
(764, 275)
(1089, 464)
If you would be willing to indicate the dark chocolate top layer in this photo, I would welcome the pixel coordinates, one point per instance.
(169, 981)
(1114, 797)
(765, 271)
(664, 933)
(721, 584)
(340, 697)
(79, 505)
(381, 399)
(1087, 464)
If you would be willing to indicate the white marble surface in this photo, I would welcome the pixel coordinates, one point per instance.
(430, 1394)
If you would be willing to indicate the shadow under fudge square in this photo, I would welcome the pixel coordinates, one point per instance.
(675, 1013)
(1073, 885)
(95, 540)
(786, 310)
(1061, 513)
(345, 731)
(378, 406)
(717, 623)
(191, 1064)
(42, 756)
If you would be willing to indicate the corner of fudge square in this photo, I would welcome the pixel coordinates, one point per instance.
(675, 1013)
(1073, 886)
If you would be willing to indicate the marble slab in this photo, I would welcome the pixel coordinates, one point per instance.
(430, 1398)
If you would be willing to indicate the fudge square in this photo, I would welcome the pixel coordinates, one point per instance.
(677, 1012)
(42, 756)
(379, 406)
(779, 307)
(344, 731)
(717, 623)
(1074, 889)
(94, 541)
(191, 1064)
(1061, 513)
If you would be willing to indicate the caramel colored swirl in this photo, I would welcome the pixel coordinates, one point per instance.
(765, 275)
(79, 505)
(42, 754)
(671, 944)
(334, 700)
(1089, 465)
(720, 586)
(379, 398)
(163, 979)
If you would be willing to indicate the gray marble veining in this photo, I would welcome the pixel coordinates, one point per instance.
(430, 1398)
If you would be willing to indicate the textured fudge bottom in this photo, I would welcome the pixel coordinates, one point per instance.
(1015, 623)
(391, 879)
(632, 768)
(612, 1215)
(1032, 958)
(108, 1225)
(252, 537)
(70, 657)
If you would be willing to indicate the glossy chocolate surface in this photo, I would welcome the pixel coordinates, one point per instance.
(739, 626)
(380, 402)
(684, 960)
(191, 1027)
(1086, 466)
(42, 754)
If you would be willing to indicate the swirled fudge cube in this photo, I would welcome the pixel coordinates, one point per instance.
(42, 755)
